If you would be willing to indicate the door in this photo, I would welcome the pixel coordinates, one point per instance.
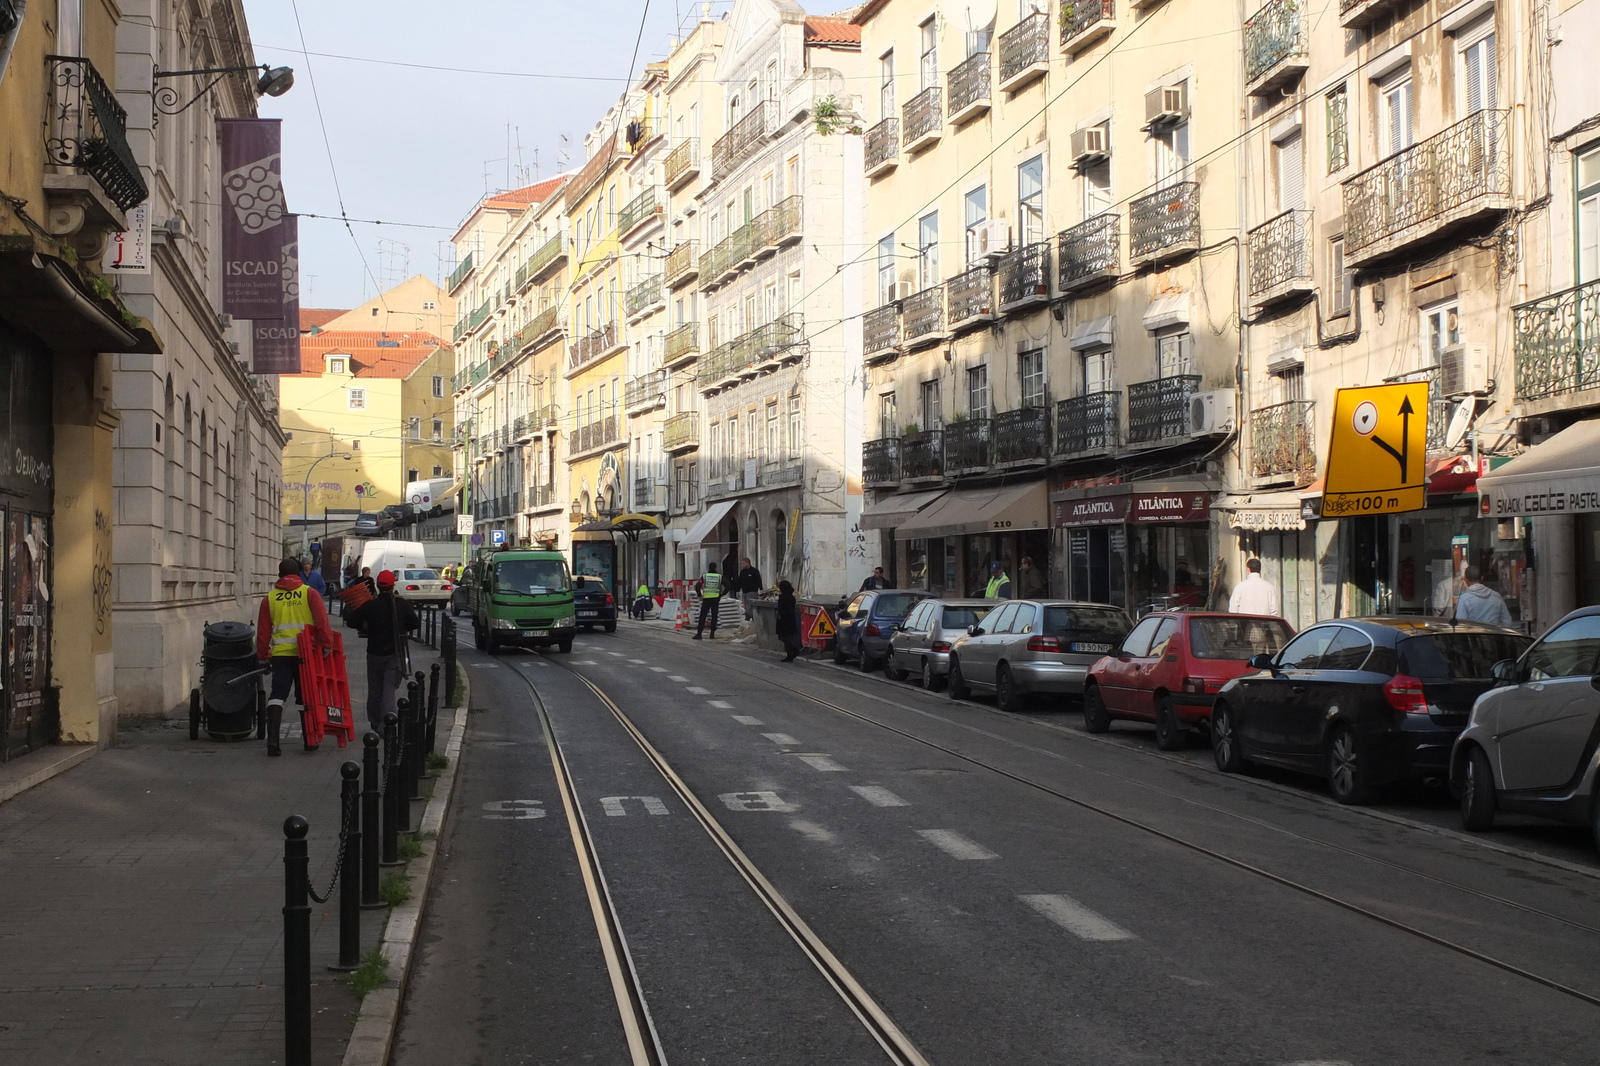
(852, 622)
(1140, 699)
(979, 655)
(1119, 673)
(1544, 730)
(1264, 722)
(1336, 682)
(1024, 627)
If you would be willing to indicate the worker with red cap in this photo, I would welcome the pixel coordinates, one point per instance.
(285, 611)
(384, 620)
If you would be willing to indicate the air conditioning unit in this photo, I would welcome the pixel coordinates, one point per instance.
(1166, 105)
(993, 237)
(1212, 414)
(1091, 145)
(1464, 370)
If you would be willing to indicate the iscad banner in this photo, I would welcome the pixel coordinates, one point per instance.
(275, 341)
(253, 217)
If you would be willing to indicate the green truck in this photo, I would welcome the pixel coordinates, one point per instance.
(522, 599)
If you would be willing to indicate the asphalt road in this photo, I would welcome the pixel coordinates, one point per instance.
(1006, 887)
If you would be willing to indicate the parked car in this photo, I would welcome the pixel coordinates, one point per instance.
(1360, 701)
(461, 595)
(921, 645)
(593, 603)
(373, 524)
(401, 514)
(1530, 744)
(1034, 646)
(424, 586)
(1170, 667)
(866, 623)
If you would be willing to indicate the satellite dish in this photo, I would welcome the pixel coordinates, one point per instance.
(981, 13)
(1460, 422)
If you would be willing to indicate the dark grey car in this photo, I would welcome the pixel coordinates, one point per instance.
(921, 646)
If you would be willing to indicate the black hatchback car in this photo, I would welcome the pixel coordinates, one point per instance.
(1360, 701)
(593, 605)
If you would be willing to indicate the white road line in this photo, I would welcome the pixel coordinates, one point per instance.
(583, 662)
(812, 831)
(658, 669)
(721, 705)
(638, 662)
(618, 654)
(1319, 1062)
(781, 738)
(878, 796)
(486, 666)
(1077, 919)
(698, 691)
(675, 677)
(820, 762)
(955, 845)
(745, 719)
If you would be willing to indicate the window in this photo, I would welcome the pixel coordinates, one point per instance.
(1163, 634)
(1000, 621)
(1136, 645)
(976, 205)
(355, 445)
(1030, 377)
(429, 305)
(374, 312)
(1567, 651)
(792, 170)
(438, 386)
(714, 449)
(1171, 145)
(774, 445)
(1030, 201)
(733, 443)
(888, 416)
(1305, 651)
(1172, 354)
(795, 441)
(438, 470)
(1291, 383)
(1394, 113)
(1096, 371)
(1096, 179)
(978, 40)
(1336, 108)
(336, 366)
(928, 251)
(1588, 214)
(414, 428)
(929, 70)
(438, 429)
(1441, 328)
(1344, 278)
(886, 86)
(886, 270)
(356, 399)
(1478, 74)
(1347, 651)
(1291, 180)
(978, 392)
(932, 409)
(413, 474)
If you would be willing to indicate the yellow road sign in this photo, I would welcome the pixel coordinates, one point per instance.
(1378, 451)
(821, 626)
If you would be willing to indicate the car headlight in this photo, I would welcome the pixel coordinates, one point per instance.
(566, 623)
(502, 623)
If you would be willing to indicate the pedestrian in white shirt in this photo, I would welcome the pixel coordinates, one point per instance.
(1480, 603)
(1255, 594)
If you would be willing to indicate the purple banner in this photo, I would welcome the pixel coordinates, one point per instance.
(253, 216)
(276, 341)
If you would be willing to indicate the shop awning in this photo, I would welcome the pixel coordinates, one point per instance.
(1000, 509)
(1558, 476)
(890, 512)
(694, 540)
(1264, 511)
(1452, 475)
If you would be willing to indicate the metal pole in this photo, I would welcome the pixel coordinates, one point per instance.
(296, 943)
(371, 819)
(447, 652)
(391, 789)
(402, 785)
(414, 738)
(433, 705)
(350, 870)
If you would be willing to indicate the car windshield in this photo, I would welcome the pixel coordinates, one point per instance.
(894, 605)
(1458, 656)
(1236, 638)
(1099, 625)
(421, 575)
(962, 617)
(531, 575)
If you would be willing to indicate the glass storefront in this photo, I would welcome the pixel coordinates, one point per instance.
(1169, 566)
(959, 566)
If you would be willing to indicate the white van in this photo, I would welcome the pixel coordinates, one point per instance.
(431, 497)
(393, 555)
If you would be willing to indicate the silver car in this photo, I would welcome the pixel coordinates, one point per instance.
(1530, 744)
(1034, 646)
(921, 645)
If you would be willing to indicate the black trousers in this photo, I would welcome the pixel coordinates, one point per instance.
(285, 675)
(708, 606)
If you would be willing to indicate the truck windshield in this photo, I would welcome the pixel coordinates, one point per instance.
(531, 576)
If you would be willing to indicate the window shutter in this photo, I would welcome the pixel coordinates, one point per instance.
(1291, 179)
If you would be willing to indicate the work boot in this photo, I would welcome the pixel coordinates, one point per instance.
(274, 727)
(697, 636)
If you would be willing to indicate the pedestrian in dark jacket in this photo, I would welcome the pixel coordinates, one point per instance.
(788, 621)
(385, 619)
(748, 582)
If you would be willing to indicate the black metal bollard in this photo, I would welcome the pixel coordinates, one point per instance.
(296, 943)
(349, 867)
(447, 652)
(433, 706)
(371, 819)
(419, 761)
(402, 787)
(393, 806)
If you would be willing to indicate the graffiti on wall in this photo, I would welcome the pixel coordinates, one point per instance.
(101, 576)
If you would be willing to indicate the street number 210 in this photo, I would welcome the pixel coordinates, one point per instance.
(999, 524)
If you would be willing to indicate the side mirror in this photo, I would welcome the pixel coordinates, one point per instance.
(1262, 662)
(1505, 670)
(974, 630)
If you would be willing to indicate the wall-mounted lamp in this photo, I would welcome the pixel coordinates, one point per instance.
(274, 81)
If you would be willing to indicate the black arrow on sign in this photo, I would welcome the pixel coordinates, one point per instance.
(1404, 454)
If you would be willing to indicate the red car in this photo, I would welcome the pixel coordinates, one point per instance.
(1169, 667)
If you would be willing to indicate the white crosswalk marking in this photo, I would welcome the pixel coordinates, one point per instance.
(721, 705)
(618, 654)
(675, 677)
(781, 738)
(745, 719)
(1076, 919)
(878, 796)
(698, 691)
(658, 669)
(637, 662)
(820, 762)
(955, 845)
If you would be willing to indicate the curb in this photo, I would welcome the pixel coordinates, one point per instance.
(372, 1040)
(72, 755)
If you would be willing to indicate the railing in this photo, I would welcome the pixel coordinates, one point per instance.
(880, 330)
(969, 85)
(539, 326)
(1168, 218)
(1283, 441)
(595, 435)
(880, 461)
(923, 313)
(1273, 34)
(647, 389)
(1280, 252)
(459, 274)
(643, 296)
(1090, 251)
(967, 446)
(882, 144)
(1025, 45)
(1440, 406)
(969, 295)
(1079, 16)
(922, 455)
(714, 263)
(522, 277)
(1087, 424)
(1159, 409)
(682, 263)
(1428, 182)
(520, 431)
(1025, 274)
(733, 147)
(923, 115)
(746, 353)
(682, 163)
(1558, 342)
(545, 417)
(88, 130)
(480, 316)
(644, 492)
(680, 343)
(639, 210)
(550, 252)
(1022, 435)
(592, 347)
(784, 221)
(541, 496)
(681, 431)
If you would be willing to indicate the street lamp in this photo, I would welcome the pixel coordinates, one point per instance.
(305, 507)
(274, 81)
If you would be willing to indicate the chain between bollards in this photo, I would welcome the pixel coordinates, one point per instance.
(350, 865)
(371, 819)
(391, 789)
(296, 943)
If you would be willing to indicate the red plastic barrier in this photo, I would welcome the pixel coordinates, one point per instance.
(325, 688)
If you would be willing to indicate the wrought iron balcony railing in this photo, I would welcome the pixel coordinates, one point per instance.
(744, 356)
(459, 274)
(1283, 442)
(682, 163)
(540, 496)
(1440, 406)
(784, 220)
(1558, 343)
(596, 344)
(681, 432)
(1162, 225)
(1087, 424)
(681, 345)
(1090, 252)
(683, 264)
(882, 147)
(1022, 436)
(549, 255)
(597, 434)
(639, 210)
(1274, 46)
(1025, 276)
(968, 446)
(537, 328)
(880, 462)
(644, 493)
(1085, 21)
(923, 118)
(86, 129)
(1417, 192)
(1159, 410)
(922, 316)
(922, 456)
(1280, 256)
(880, 331)
(644, 296)
(647, 390)
(735, 146)
(969, 88)
(1024, 51)
(969, 297)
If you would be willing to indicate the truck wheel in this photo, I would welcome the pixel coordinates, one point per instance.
(611, 626)
(565, 646)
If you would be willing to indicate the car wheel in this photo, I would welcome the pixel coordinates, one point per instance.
(477, 635)
(491, 645)
(1006, 694)
(455, 612)
(1171, 735)
(930, 680)
(565, 646)
(958, 683)
(611, 627)
(1348, 777)
(892, 668)
(194, 714)
(1477, 791)
(866, 663)
(838, 652)
(1096, 719)
(1225, 740)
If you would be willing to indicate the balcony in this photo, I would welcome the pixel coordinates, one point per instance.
(1164, 225)
(86, 130)
(882, 148)
(646, 392)
(1087, 425)
(592, 348)
(551, 254)
(713, 265)
(1283, 444)
(1353, 13)
(1558, 343)
(680, 346)
(750, 475)
(969, 88)
(880, 462)
(1025, 52)
(544, 419)
(969, 298)
(542, 498)
(682, 164)
(1083, 22)
(968, 446)
(521, 430)
(747, 135)
(1440, 407)
(784, 220)
(478, 317)
(681, 432)
(1025, 277)
(880, 333)
(645, 491)
(538, 328)
(922, 317)
(1090, 253)
(1275, 53)
(923, 119)
(460, 274)
(1158, 411)
(595, 436)
(1280, 258)
(750, 353)
(683, 264)
(646, 207)
(922, 456)
(1434, 186)
(643, 298)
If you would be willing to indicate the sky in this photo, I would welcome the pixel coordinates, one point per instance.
(419, 146)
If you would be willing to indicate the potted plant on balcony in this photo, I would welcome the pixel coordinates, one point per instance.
(910, 429)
